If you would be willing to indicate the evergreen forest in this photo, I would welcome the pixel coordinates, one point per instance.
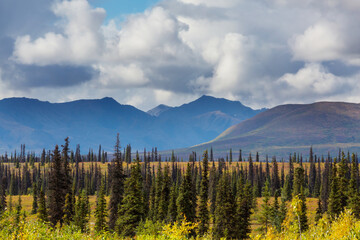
(64, 194)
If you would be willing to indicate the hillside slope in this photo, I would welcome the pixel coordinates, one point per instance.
(288, 128)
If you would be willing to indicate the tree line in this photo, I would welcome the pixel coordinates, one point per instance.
(218, 195)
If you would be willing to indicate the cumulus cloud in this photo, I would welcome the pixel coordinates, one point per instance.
(314, 82)
(261, 52)
(313, 77)
(80, 42)
(320, 42)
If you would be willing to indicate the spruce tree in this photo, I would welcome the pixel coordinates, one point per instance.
(343, 181)
(265, 214)
(158, 189)
(132, 208)
(82, 212)
(56, 189)
(299, 179)
(66, 168)
(35, 196)
(165, 194)
(101, 211)
(172, 210)
(203, 215)
(18, 213)
(251, 171)
(69, 208)
(185, 201)
(42, 212)
(335, 206)
(225, 219)
(212, 188)
(275, 213)
(299, 207)
(354, 198)
(3, 195)
(300, 198)
(319, 211)
(117, 185)
(244, 209)
(275, 180)
(325, 185)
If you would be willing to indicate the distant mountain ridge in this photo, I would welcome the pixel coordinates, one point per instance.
(327, 126)
(156, 111)
(41, 124)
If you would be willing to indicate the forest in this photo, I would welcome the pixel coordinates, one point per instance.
(63, 194)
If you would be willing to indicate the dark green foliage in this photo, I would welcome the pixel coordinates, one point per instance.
(302, 215)
(18, 213)
(335, 206)
(3, 195)
(203, 215)
(299, 180)
(56, 189)
(67, 171)
(69, 208)
(225, 225)
(354, 198)
(251, 170)
(325, 185)
(287, 191)
(35, 196)
(319, 211)
(265, 214)
(42, 213)
(212, 188)
(82, 212)
(185, 201)
(132, 208)
(164, 195)
(244, 209)
(312, 172)
(276, 220)
(343, 181)
(275, 180)
(101, 211)
(158, 190)
(117, 185)
(172, 210)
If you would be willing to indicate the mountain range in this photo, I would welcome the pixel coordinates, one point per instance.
(326, 126)
(40, 124)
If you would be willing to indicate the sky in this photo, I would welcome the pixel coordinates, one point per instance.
(144, 53)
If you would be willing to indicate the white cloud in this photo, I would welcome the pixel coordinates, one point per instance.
(320, 42)
(80, 42)
(230, 64)
(120, 75)
(154, 33)
(313, 77)
(212, 3)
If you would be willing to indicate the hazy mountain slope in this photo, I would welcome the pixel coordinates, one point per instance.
(156, 111)
(88, 122)
(284, 129)
(202, 119)
(41, 124)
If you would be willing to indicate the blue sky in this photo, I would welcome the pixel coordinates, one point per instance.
(118, 8)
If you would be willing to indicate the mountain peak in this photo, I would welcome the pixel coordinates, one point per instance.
(156, 111)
